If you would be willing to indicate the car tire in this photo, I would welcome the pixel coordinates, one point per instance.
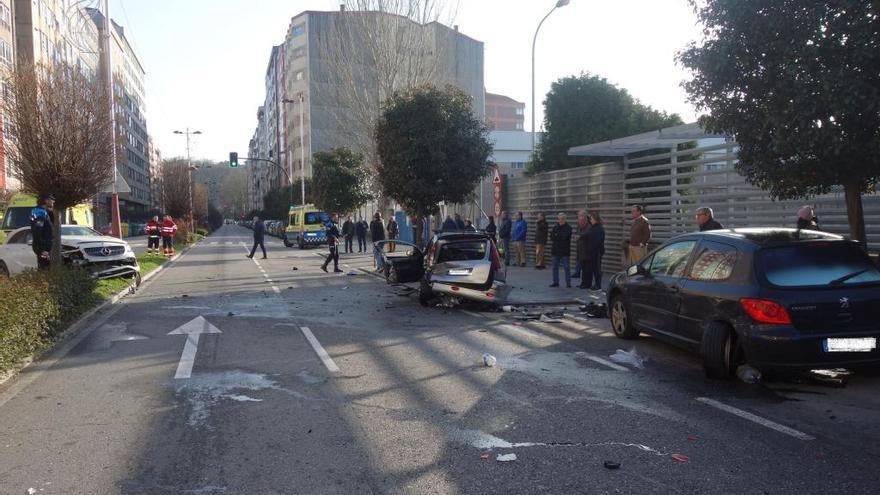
(621, 323)
(4, 271)
(719, 351)
(425, 293)
(287, 243)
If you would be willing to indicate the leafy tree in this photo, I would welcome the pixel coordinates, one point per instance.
(586, 109)
(340, 180)
(431, 149)
(63, 141)
(797, 84)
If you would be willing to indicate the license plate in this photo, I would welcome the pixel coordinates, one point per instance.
(866, 344)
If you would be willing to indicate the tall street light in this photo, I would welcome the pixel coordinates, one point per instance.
(302, 146)
(189, 169)
(560, 3)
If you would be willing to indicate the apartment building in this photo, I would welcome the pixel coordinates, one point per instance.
(308, 81)
(503, 113)
(133, 162)
(7, 63)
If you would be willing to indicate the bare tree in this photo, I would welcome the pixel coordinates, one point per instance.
(233, 190)
(200, 202)
(175, 177)
(62, 140)
(376, 48)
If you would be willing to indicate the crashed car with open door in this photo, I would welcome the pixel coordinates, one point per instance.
(456, 264)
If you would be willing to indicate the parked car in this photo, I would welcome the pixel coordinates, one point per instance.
(458, 264)
(101, 256)
(777, 299)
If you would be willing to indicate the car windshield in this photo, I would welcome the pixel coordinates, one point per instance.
(817, 264)
(317, 217)
(462, 251)
(78, 230)
(17, 217)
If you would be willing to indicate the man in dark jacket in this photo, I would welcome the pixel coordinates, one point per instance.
(492, 229)
(377, 233)
(333, 243)
(591, 276)
(561, 250)
(449, 225)
(541, 232)
(582, 232)
(42, 219)
(706, 219)
(348, 234)
(459, 223)
(504, 232)
(259, 235)
(360, 229)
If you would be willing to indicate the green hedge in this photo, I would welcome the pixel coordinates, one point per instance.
(36, 306)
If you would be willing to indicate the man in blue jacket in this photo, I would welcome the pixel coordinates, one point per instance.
(518, 238)
(42, 218)
(259, 237)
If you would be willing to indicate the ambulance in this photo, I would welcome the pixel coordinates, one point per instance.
(18, 214)
(305, 227)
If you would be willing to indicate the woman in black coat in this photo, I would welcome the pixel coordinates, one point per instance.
(592, 278)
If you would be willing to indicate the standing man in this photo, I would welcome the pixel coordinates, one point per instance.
(492, 229)
(583, 231)
(449, 225)
(504, 235)
(168, 229)
(541, 232)
(592, 275)
(518, 236)
(393, 231)
(469, 226)
(561, 250)
(348, 234)
(259, 237)
(706, 219)
(42, 219)
(639, 235)
(377, 233)
(153, 235)
(361, 231)
(333, 244)
(459, 223)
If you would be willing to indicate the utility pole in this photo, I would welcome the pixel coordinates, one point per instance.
(189, 169)
(302, 145)
(115, 227)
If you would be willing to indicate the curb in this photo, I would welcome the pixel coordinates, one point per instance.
(77, 326)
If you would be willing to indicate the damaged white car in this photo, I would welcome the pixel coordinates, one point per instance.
(100, 255)
(457, 265)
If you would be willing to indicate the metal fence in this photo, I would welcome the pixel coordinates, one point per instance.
(671, 185)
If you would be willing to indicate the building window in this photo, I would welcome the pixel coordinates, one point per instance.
(5, 53)
(298, 30)
(300, 75)
(520, 110)
(5, 17)
(518, 165)
(519, 126)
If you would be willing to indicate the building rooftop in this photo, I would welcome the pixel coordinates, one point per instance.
(661, 138)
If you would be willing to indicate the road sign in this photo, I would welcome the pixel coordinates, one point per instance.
(496, 178)
(496, 192)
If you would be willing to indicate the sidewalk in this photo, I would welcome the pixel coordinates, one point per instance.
(530, 286)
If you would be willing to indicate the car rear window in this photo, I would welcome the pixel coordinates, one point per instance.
(817, 264)
(462, 251)
(317, 217)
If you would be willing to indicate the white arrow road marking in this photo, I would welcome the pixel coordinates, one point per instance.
(192, 330)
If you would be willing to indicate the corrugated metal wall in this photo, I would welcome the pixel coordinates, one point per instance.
(672, 185)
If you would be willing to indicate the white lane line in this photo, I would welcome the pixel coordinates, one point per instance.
(597, 359)
(319, 350)
(755, 419)
(471, 313)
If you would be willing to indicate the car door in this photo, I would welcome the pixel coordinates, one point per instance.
(708, 284)
(18, 254)
(406, 260)
(656, 306)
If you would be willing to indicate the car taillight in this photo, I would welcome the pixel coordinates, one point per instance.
(764, 311)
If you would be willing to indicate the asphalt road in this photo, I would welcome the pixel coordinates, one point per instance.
(335, 383)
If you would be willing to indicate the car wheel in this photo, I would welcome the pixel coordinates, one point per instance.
(425, 293)
(4, 272)
(620, 320)
(719, 351)
(287, 243)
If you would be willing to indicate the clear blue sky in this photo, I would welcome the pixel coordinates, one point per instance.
(206, 59)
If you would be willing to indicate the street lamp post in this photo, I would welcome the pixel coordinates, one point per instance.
(189, 169)
(559, 3)
(302, 144)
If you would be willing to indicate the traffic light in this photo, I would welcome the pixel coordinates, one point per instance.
(233, 159)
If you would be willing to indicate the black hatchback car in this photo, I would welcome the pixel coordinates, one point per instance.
(777, 299)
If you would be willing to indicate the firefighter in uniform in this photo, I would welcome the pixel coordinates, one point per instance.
(168, 229)
(42, 218)
(153, 235)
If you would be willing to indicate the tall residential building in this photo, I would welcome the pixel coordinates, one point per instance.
(157, 185)
(301, 68)
(503, 113)
(7, 64)
(133, 163)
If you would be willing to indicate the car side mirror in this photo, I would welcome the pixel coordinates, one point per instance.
(637, 270)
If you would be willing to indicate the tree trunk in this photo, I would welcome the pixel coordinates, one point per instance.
(420, 224)
(855, 214)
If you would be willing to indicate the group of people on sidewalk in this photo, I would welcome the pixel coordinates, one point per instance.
(378, 232)
(163, 229)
